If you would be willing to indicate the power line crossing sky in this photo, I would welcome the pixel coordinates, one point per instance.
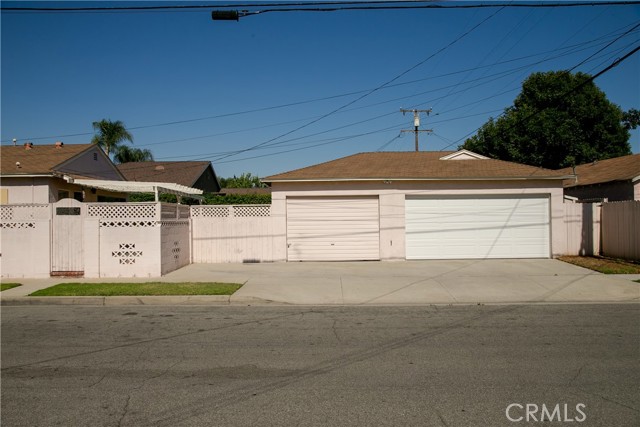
(278, 91)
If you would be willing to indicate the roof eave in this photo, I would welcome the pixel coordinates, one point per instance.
(515, 178)
(29, 175)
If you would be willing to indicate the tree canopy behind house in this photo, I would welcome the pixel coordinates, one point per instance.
(559, 119)
(246, 180)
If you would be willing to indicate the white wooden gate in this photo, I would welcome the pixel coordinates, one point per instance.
(67, 252)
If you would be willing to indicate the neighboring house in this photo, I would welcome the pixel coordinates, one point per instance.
(34, 173)
(198, 175)
(612, 179)
(419, 205)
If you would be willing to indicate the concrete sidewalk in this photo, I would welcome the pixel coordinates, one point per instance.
(361, 283)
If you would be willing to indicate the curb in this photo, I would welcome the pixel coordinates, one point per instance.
(134, 300)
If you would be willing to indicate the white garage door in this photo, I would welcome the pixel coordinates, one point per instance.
(333, 229)
(464, 227)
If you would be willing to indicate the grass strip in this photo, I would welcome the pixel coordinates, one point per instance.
(603, 265)
(138, 289)
(5, 286)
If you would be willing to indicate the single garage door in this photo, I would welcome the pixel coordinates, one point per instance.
(333, 228)
(477, 227)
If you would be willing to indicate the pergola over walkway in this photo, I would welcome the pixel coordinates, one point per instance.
(156, 188)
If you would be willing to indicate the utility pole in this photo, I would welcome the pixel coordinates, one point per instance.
(416, 123)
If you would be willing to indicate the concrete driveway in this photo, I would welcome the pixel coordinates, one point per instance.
(402, 282)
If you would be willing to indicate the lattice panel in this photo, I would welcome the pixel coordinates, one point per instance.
(24, 212)
(252, 211)
(127, 254)
(118, 210)
(211, 211)
(125, 223)
(6, 213)
(16, 225)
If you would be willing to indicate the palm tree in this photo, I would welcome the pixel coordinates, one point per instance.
(127, 155)
(110, 135)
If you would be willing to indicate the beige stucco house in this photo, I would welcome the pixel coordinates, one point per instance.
(34, 173)
(419, 205)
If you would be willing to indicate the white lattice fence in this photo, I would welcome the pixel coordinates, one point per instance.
(227, 211)
(123, 210)
(25, 212)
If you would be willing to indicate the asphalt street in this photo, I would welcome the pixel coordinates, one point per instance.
(312, 366)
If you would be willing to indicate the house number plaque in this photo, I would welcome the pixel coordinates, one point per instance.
(67, 211)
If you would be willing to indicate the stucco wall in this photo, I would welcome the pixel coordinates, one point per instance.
(26, 190)
(45, 190)
(392, 204)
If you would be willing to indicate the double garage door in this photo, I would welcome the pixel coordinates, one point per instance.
(481, 227)
(348, 228)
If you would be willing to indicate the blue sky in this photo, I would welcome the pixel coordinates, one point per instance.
(283, 90)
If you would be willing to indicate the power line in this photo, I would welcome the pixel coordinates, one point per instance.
(373, 90)
(568, 50)
(319, 6)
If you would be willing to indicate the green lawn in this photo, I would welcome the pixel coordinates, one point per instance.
(5, 286)
(138, 289)
(603, 265)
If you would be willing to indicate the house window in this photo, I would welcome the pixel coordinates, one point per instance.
(78, 195)
(63, 194)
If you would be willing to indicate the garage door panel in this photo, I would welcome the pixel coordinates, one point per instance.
(333, 229)
(468, 227)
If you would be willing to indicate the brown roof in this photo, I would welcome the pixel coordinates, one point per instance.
(617, 169)
(183, 173)
(412, 165)
(39, 160)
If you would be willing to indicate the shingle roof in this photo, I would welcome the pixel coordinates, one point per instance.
(413, 165)
(183, 173)
(40, 159)
(617, 169)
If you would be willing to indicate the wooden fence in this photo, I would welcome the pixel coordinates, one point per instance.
(610, 229)
(242, 234)
(621, 230)
(582, 222)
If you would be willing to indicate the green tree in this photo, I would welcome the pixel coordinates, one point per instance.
(125, 154)
(559, 119)
(246, 180)
(631, 119)
(110, 135)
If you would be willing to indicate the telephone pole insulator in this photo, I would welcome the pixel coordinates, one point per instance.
(416, 123)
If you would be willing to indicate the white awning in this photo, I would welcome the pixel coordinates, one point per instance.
(141, 187)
